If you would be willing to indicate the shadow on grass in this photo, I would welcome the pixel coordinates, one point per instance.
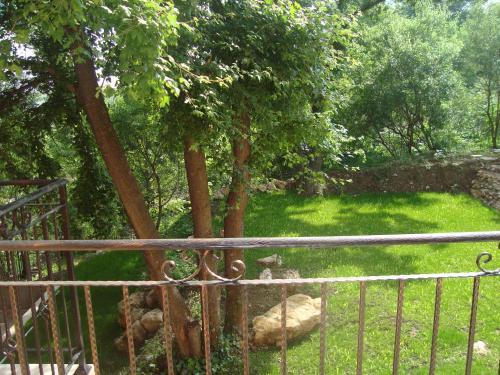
(120, 265)
(287, 214)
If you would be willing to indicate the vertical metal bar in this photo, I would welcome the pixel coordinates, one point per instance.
(49, 346)
(435, 325)
(15, 265)
(70, 272)
(472, 325)
(92, 337)
(283, 367)
(50, 275)
(244, 323)
(7, 330)
(167, 330)
(26, 264)
(55, 329)
(128, 326)
(45, 235)
(21, 349)
(36, 328)
(322, 329)
(361, 329)
(397, 335)
(63, 293)
(29, 277)
(206, 329)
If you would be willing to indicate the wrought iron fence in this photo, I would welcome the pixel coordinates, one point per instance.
(33, 210)
(14, 287)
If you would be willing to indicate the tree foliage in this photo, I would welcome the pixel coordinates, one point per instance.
(405, 80)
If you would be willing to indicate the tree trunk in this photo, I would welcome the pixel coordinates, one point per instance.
(130, 196)
(237, 201)
(197, 179)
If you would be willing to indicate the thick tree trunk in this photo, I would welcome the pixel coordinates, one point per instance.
(197, 179)
(131, 197)
(237, 201)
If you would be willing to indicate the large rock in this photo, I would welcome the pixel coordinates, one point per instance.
(270, 261)
(152, 320)
(121, 343)
(139, 333)
(135, 314)
(266, 274)
(302, 315)
(151, 299)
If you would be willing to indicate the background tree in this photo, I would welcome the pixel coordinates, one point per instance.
(405, 79)
(481, 62)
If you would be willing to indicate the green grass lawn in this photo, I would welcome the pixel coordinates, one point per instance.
(285, 214)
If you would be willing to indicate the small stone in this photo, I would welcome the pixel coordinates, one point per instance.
(270, 261)
(266, 274)
(279, 184)
(152, 299)
(270, 186)
(138, 333)
(137, 299)
(121, 344)
(152, 320)
(481, 348)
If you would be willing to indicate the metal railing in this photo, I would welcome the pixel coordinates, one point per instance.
(250, 244)
(36, 209)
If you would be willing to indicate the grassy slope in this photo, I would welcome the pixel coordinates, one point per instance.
(288, 215)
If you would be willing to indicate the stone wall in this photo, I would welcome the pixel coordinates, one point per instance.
(486, 185)
(478, 175)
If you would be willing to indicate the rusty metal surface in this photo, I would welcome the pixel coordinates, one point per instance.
(361, 327)
(91, 326)
(244, 328)
(130, 336)
(322, 329)
(19, 344)
(472, 325)
(55, 329)
(206, 329)
(167, 330)
(251, 243)
(256, 282)
(29, 198)
(283, 365)
(41, 213)
(397, 335)
(435, 325)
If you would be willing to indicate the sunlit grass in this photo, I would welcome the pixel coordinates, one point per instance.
(285, 214)
(289, 215)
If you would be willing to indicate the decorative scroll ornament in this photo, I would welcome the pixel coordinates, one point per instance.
(237, 266)
(485, 258)
(9, 347)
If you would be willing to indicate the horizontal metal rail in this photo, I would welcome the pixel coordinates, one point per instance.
(36, 182)
(253, 282)
(31, 197)
(251, 242)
